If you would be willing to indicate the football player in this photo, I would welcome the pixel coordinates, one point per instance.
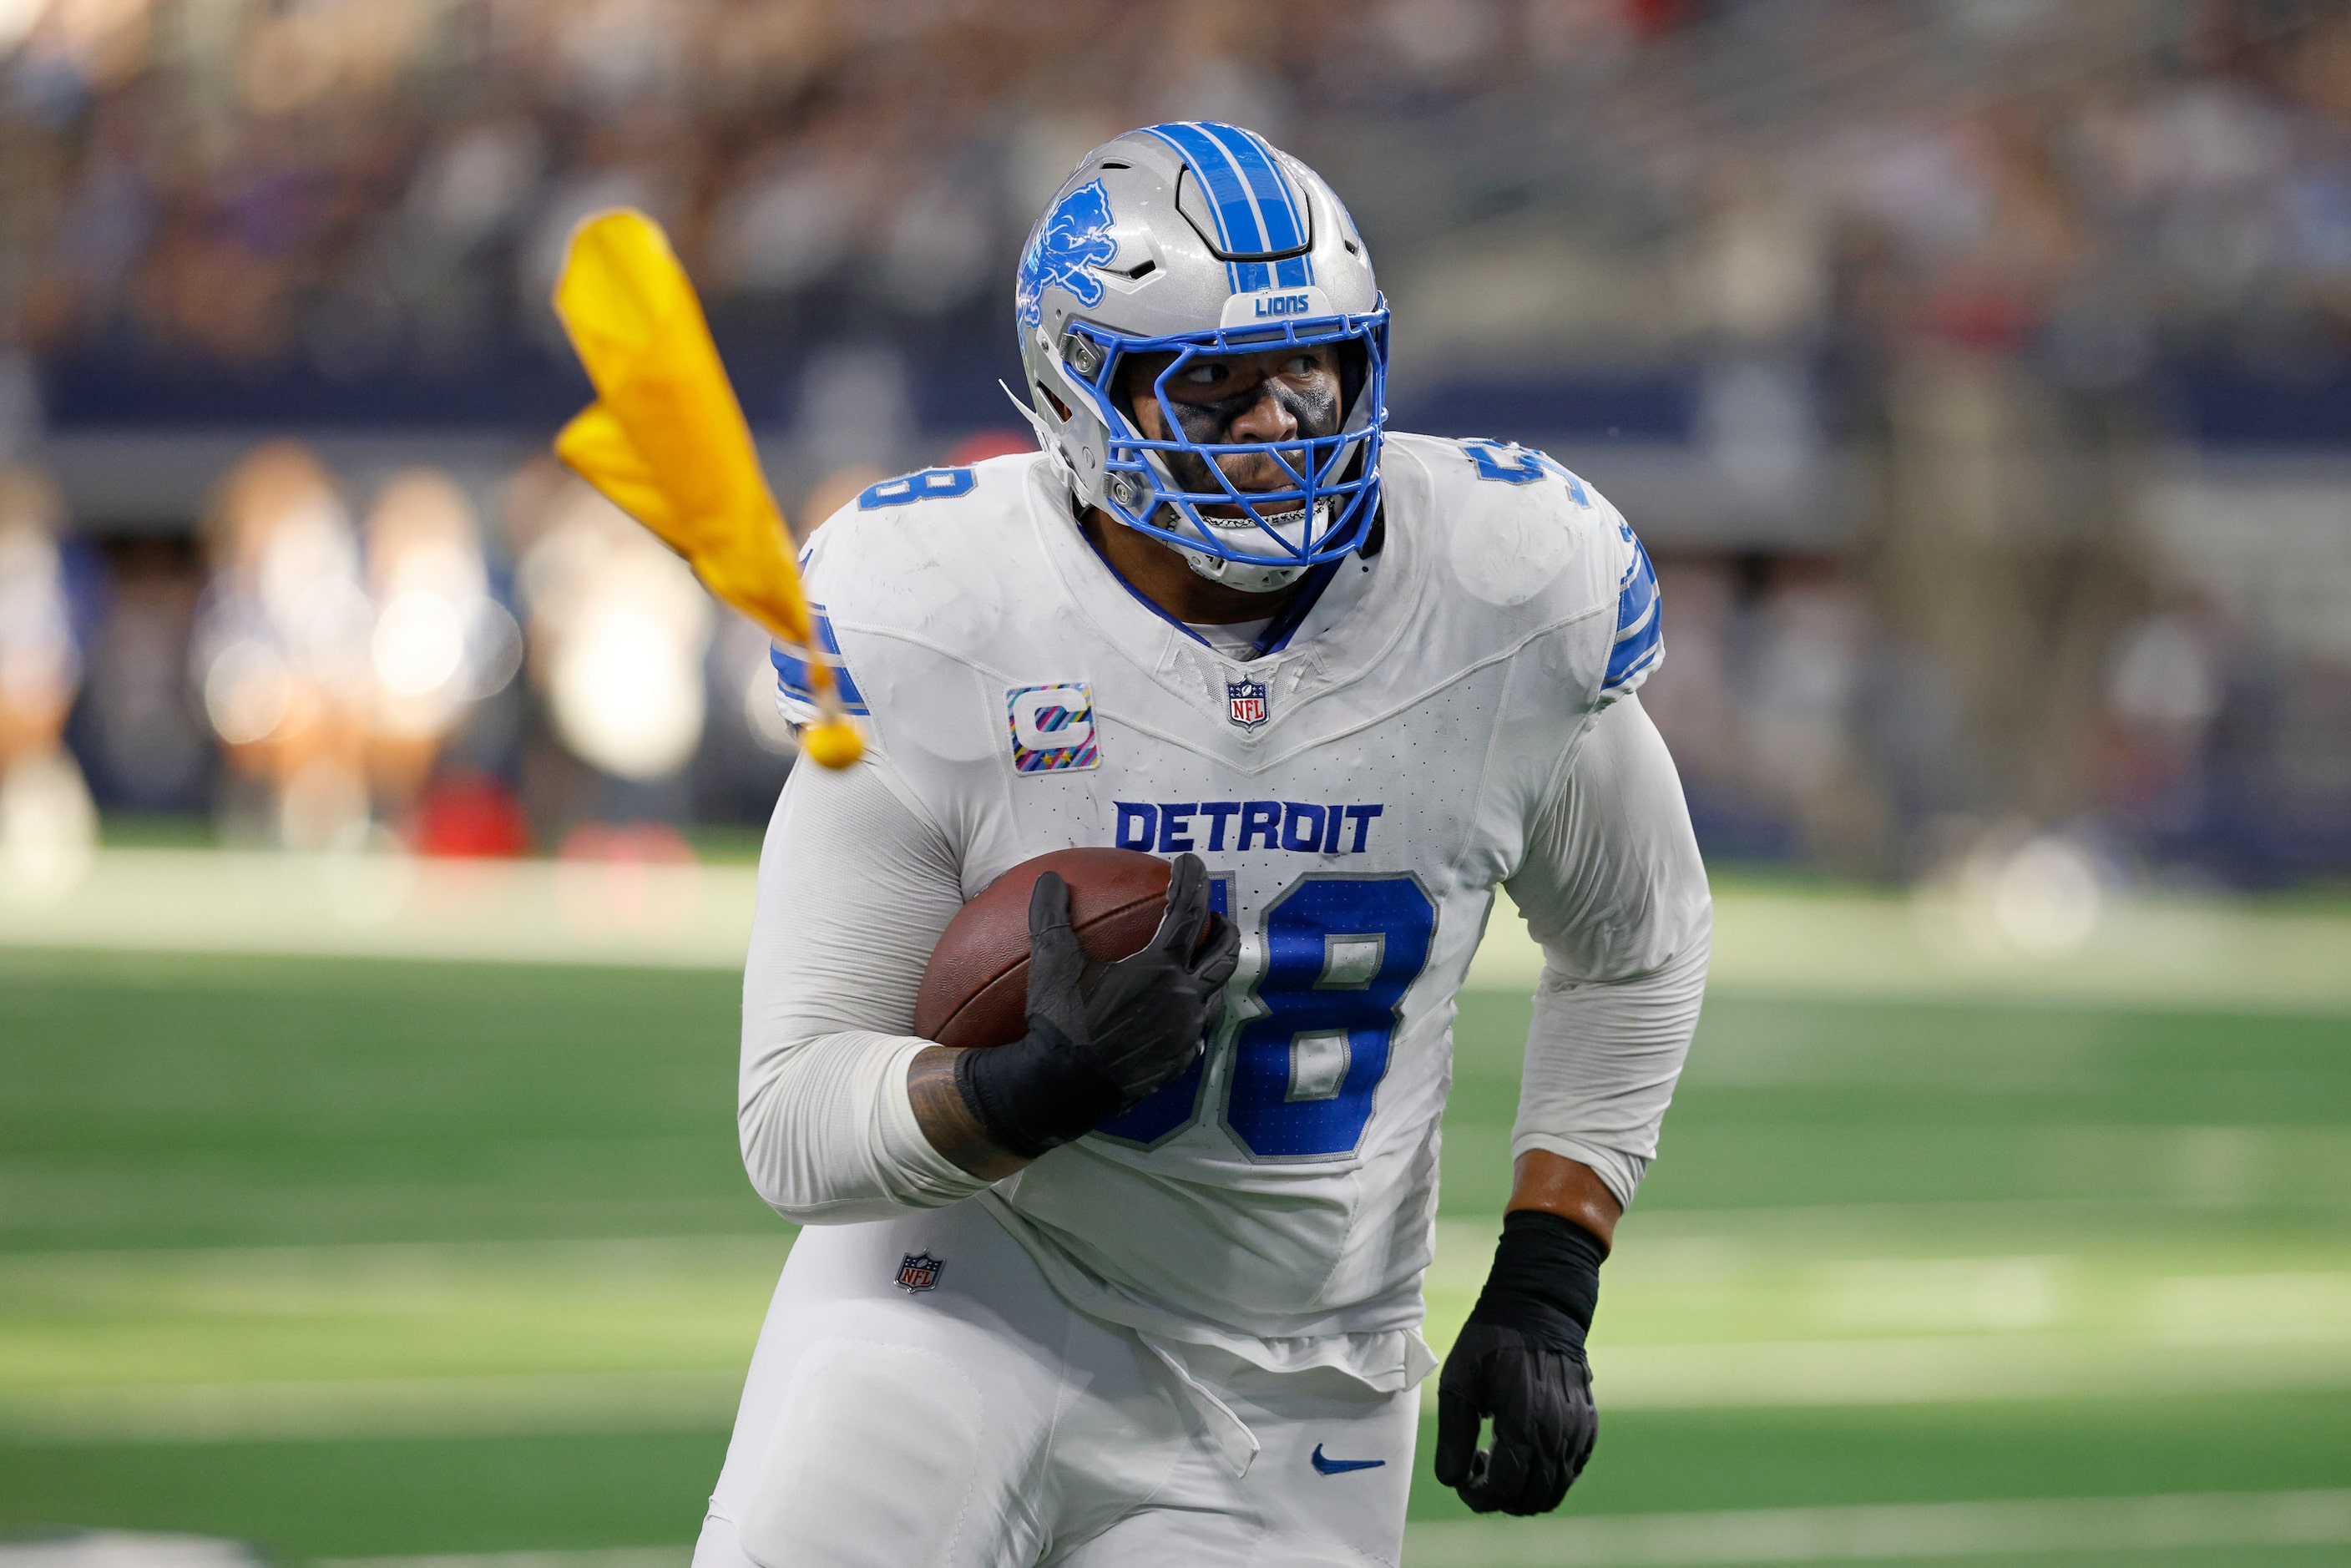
(1144, 1288)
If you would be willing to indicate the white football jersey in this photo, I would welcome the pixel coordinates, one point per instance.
(1356, 791)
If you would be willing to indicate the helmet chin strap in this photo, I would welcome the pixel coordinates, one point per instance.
(1242, 576)
(1248, 576)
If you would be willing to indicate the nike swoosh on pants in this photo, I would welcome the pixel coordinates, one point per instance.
(1340, 1467)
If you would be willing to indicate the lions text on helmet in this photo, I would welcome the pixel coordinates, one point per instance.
(1206, 350)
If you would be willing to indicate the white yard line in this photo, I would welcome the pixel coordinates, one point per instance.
(1951, 1370)
(1958, 1369)
(1771, 941)
(125, 1549)
(1925, 1531)
(612, 1557)
(396, 908)
(2142, 953)
(1823, 1374)
(377, 906)
(563, 1254)
(1837, 1534)
(1843, 1332)
(369, 1408)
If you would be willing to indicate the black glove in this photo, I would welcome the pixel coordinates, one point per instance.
(1519, 1359)
(1102, 1036)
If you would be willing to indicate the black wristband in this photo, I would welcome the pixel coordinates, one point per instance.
(1035, 1071)
(1546, 1277)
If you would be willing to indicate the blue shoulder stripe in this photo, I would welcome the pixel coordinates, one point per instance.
(792, 671)
(1640, 624)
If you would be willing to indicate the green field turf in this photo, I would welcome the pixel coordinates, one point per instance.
(359, 1259)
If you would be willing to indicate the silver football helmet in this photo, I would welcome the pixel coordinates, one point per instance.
(1198, 239)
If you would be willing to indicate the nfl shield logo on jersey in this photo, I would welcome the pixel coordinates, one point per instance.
(919, 1271)
(1248, 700)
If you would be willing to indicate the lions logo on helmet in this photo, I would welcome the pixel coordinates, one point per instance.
(1185, 242)
(1074, 236)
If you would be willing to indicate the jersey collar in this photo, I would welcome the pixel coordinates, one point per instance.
(1344, 634)
(1278, 631)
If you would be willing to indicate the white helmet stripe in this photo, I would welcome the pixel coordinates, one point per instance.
(1284, 228)
(1243, 183)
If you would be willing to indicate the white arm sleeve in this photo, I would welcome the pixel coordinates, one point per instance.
(854, 889)
(1613, 889)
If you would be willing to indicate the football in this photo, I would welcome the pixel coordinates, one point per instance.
(975, 990)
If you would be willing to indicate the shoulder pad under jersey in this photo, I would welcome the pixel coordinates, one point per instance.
(1516, 529)
(917, 553)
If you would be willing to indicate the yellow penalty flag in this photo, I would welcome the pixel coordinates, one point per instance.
(667, 441)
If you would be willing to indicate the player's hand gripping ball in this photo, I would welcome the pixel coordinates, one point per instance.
(1114, 979)
(975, 990)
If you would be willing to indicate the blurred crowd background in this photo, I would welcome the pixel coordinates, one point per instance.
(1979, 373)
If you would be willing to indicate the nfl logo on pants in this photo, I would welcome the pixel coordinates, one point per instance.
(919, 1271)
(1248, 700)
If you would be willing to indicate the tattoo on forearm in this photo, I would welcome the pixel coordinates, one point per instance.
(948, 1122)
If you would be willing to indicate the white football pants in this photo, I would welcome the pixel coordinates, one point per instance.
(981, 1423)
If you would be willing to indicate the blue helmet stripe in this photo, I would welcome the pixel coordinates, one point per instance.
(1228, 203)
(1284, 226)
(1240, 219)
(1248, 198)
(1277, 216)
(1178, 134)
